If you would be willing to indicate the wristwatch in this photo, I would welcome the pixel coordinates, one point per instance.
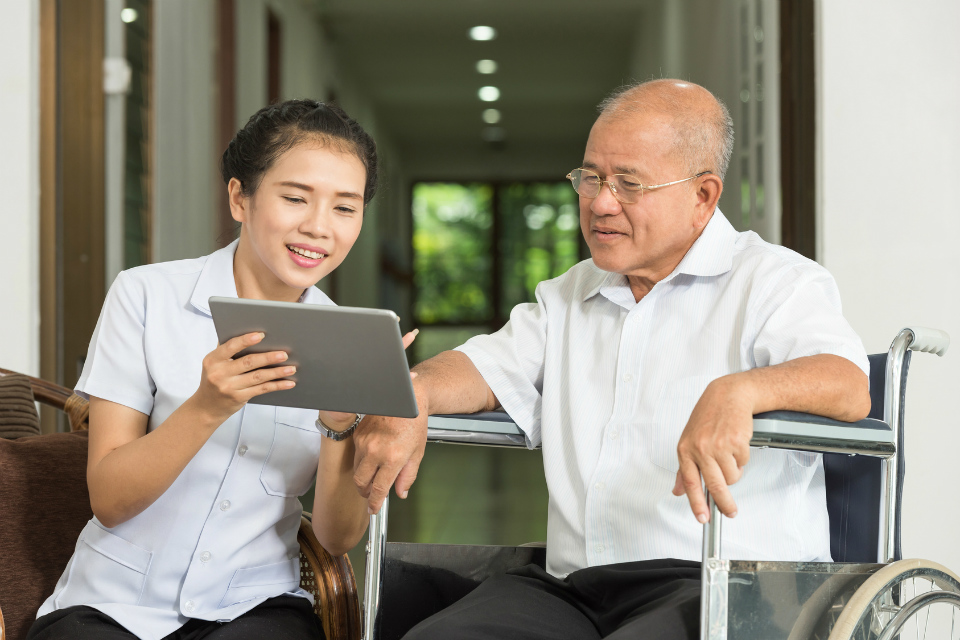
(337, 436)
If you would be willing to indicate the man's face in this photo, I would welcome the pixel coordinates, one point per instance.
(647, 238)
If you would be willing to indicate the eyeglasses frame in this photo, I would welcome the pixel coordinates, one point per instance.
(613, 189)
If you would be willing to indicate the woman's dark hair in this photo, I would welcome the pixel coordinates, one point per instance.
(275, 129)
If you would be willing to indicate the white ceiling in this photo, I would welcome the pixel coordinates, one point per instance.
(413, 60)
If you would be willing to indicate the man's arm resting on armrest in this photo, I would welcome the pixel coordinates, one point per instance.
(389, 450)
(716, 440)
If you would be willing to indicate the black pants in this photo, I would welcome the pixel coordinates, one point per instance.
(287, 617)
(657, 599)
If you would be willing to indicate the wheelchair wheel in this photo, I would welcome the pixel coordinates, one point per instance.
(906, 599)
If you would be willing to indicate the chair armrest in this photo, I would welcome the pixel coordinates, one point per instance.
(775, 429)
(62, 398)
(807, 432)
(490, 428)
(331, 581)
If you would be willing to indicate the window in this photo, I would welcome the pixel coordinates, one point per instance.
(480, 249)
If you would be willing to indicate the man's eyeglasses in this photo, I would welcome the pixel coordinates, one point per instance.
(626, 188)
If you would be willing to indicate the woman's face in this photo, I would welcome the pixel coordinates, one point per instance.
(300, 223)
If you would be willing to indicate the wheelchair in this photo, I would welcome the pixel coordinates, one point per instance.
(868, 593)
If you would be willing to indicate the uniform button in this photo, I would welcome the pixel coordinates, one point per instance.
(599, 486)
(598, 548)
(205, 556)
(189, 606)
(614, 434)
(627, 377)
(243, 450)
(224, 505)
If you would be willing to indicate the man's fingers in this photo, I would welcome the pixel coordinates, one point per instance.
(408, 474)
(380, 487)
(716, 484)
(689, 477)
(364, 472)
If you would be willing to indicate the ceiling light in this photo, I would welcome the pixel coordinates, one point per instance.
(483, 33)
(128, 15)
(486, 66)
(491, 116)
(493, 134)
(489, 94)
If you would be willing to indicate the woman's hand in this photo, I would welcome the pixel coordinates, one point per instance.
(227, 384)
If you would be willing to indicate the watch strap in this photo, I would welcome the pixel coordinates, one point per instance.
(337, 436)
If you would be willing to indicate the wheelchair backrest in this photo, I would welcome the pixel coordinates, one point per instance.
(853, 484)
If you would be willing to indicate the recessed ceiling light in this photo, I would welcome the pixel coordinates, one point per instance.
(483, 33)
(493, 134)
(128, 15)
(491, 116)
(489, 94)
(486, 66)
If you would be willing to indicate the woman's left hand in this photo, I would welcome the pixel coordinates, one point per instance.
(338, 420)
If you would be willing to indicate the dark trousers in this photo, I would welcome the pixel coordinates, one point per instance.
(657, 599)
(287, 617)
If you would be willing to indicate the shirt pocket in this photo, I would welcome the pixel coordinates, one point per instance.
(105, 569)
(675, 403)
(291, 464)
(267, 580)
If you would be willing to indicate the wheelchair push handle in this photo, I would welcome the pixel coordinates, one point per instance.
(928, 340)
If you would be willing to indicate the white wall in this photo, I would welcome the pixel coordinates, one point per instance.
(889, 139)
(700, 41)
(185, 134)
(20, 185)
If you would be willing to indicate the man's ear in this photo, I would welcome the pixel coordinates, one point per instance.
(239, 203)
(709, 188)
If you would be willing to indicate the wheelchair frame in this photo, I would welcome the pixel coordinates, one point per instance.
(779, 429)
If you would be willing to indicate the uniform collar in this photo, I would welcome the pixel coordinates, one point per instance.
(216, 279)
(710, 255)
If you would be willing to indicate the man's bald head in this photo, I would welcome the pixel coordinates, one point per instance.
(702, 124)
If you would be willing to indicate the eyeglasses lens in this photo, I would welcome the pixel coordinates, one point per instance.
(588, 184)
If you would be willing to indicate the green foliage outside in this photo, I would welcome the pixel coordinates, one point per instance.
(452, 245)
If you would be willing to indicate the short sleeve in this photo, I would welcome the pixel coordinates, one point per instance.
(802, 316)
(116, 366)
(511, 362)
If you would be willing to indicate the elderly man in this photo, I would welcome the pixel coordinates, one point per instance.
(639, 372)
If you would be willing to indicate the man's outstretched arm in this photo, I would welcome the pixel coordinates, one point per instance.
(716, 441)
(389, 450)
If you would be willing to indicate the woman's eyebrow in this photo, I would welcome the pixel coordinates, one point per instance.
(295, 185)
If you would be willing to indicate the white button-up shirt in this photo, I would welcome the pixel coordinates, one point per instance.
(607, 384)
(223, 537)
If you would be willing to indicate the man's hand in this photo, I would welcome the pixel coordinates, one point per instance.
(389, 450)
(715, 445)
(716, 441)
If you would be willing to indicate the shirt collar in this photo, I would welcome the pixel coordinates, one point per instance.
(216, 279)
(710, 255)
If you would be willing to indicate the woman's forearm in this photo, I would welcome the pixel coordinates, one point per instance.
(129, 469)
(339, 512)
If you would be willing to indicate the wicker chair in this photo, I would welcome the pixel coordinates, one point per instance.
(329, 578)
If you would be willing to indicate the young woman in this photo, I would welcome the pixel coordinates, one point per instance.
(194, 491)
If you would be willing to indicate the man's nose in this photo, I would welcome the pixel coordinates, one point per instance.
(606, 204)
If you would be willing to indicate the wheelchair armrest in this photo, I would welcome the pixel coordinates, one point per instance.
(490, 428)
(807, 432)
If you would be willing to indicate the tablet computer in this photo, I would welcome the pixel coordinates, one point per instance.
(348, 359)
